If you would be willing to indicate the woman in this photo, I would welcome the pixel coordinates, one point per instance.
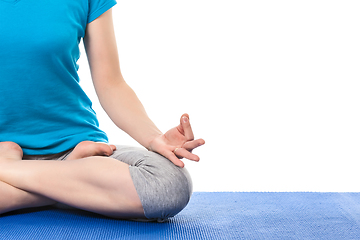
(45, 115)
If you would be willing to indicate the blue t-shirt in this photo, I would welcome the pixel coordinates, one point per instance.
(42, 106)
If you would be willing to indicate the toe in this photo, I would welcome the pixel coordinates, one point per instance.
(107, 149)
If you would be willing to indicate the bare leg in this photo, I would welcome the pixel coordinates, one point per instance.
(12, 198)
(98, 184)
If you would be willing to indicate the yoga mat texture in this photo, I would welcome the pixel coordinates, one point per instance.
(220, 215)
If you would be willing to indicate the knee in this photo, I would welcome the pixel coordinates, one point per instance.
(169, 198)
(164, 189)
(177, 192)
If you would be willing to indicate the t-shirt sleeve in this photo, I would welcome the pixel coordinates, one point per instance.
(98, 7)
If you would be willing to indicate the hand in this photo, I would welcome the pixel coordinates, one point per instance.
(177, 143)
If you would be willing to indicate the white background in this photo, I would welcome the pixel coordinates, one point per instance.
(272, 86)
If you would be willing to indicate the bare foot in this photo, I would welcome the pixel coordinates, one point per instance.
(89, 148)
(10, 151)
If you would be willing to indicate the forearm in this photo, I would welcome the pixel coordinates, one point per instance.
(126, 111)
(116, 97)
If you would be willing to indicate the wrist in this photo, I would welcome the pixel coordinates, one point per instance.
(151, 143)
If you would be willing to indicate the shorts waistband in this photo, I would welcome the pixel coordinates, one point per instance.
(56, 156)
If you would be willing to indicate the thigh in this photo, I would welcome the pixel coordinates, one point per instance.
(163, 188)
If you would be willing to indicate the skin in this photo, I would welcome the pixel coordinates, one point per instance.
(89, 148)
(88, 180)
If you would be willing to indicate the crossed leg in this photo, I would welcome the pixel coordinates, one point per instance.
(13, 198)
(97, 184)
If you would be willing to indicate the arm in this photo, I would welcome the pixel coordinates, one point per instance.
(116, 97)
(121, 103)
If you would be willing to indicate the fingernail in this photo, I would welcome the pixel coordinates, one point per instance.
(185, 119)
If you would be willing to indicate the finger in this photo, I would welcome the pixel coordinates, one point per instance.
(172, 157)
(193, 144)
(185, 123)
(182, 152)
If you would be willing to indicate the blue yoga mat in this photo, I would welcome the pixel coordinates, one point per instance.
(225, 215)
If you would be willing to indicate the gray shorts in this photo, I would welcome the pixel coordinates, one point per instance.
(164, 189)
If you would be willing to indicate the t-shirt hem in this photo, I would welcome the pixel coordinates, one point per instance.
(101, 10)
